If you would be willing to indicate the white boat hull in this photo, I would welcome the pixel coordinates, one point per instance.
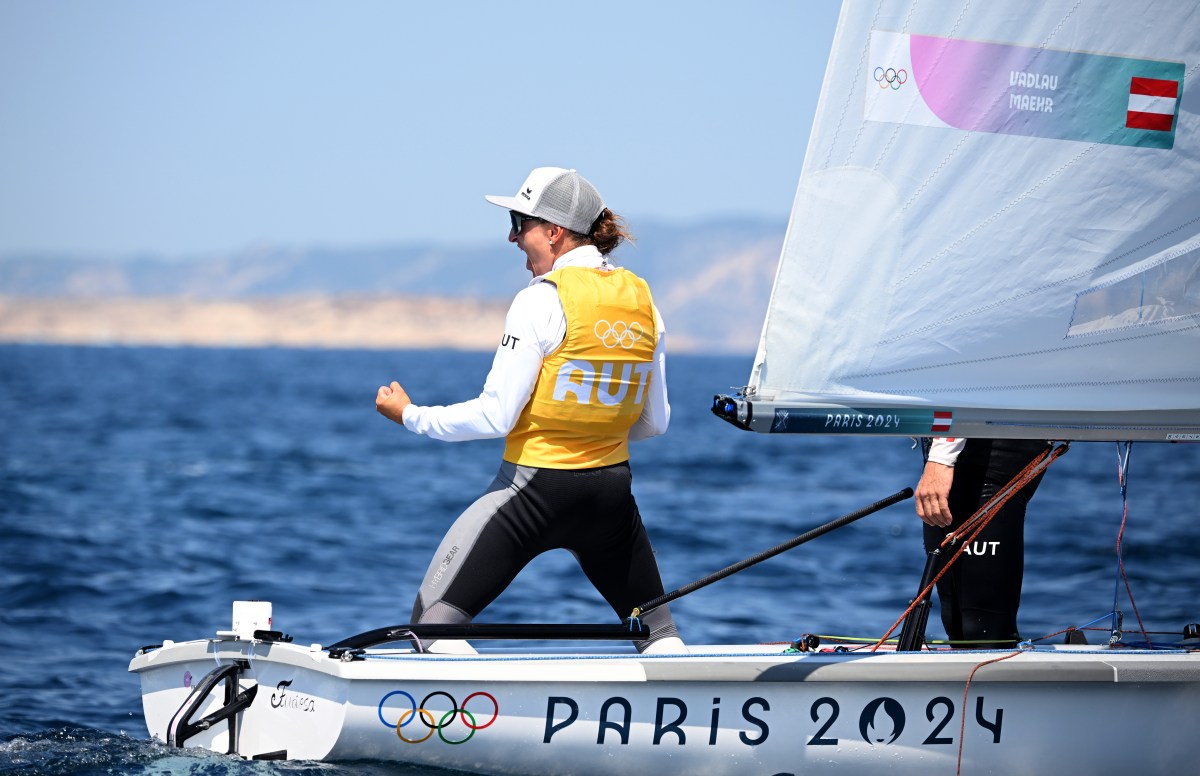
(718, 710)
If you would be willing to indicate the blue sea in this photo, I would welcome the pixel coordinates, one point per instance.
(143, 490)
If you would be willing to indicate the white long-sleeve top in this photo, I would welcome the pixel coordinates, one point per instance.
(945, 450)
(534, 327)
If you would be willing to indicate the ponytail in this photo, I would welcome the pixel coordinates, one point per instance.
(607, 232)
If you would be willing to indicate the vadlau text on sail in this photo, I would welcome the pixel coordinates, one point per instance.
(1036, 103)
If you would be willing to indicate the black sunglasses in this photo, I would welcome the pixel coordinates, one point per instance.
(518, 220)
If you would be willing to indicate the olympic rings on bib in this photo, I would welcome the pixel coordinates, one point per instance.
(618, 333)
(433, 723)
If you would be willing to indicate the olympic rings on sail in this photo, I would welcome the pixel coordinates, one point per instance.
(435, 723)
(890, 78)
(618, 333)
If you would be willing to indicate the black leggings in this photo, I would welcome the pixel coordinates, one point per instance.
(527, 511)
(981, 592)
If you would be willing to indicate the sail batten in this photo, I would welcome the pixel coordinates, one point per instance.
(999, 213)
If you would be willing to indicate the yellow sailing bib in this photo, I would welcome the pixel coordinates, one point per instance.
(591, 389)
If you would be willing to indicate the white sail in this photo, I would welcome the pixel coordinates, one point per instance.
(998, 220)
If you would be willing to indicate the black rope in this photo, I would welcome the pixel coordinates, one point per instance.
(666, 598)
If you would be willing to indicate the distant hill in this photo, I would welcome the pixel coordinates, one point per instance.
(711, 282)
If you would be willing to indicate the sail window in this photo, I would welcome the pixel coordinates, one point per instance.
(1168, 291)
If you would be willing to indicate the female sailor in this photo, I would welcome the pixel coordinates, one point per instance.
(580, 372)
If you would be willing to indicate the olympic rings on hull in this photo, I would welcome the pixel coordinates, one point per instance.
(434, 723)
(617, 333)
(890, 78)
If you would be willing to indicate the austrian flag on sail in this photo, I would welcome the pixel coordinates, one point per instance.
(1152, 104)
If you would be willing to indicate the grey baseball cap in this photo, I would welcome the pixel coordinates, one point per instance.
(557, 195)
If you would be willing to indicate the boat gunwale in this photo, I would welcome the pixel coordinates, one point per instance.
(727, 663)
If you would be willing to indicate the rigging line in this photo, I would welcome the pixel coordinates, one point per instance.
(770, 553)
(983, 516)
(967, 689)
(1086, 626)
(1122, 576)
(977, 522)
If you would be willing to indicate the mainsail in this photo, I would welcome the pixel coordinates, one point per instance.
(996, 230)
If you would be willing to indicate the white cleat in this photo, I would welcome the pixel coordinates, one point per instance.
(671, 645)
(450, 647)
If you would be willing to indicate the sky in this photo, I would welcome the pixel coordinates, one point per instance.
(182, 129)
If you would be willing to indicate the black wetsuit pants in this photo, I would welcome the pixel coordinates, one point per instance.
(981, 592)
(527, 511)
